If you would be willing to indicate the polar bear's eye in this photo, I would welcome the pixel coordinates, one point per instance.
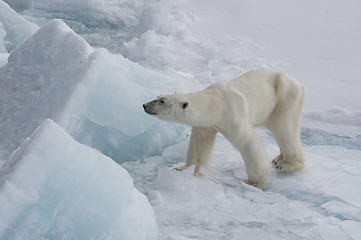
(162, 100)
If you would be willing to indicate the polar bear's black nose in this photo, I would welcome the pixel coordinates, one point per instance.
(144, 106)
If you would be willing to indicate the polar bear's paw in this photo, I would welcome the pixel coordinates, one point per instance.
(288, 166)
(277, 162)
(181, 168)
(259, 185)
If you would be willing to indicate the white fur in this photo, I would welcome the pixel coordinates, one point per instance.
(257, 98)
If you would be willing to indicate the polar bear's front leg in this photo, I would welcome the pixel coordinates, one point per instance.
(240, 133)
(254, 156)
(255, 159)
(191, 153)
(199, 149)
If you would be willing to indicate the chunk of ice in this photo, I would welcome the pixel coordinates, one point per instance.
(52, 187)
(14, 29)
(95, 96)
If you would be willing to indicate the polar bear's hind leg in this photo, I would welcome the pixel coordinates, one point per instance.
(285, 123)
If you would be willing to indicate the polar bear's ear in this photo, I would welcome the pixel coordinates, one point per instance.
(185, 104)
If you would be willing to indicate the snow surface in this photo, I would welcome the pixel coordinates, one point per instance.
(96, 96)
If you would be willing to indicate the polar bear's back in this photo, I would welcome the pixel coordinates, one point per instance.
(263, 90)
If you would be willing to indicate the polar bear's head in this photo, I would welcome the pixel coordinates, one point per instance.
(173, 108)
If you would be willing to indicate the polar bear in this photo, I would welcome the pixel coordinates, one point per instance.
(257, 98)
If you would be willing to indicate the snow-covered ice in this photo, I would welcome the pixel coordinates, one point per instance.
(14, 29)
(53, 187)
(155, 47)
(101, 23)
(90, 99)
(314, 204)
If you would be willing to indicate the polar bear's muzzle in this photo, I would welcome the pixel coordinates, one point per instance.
(150, 107)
